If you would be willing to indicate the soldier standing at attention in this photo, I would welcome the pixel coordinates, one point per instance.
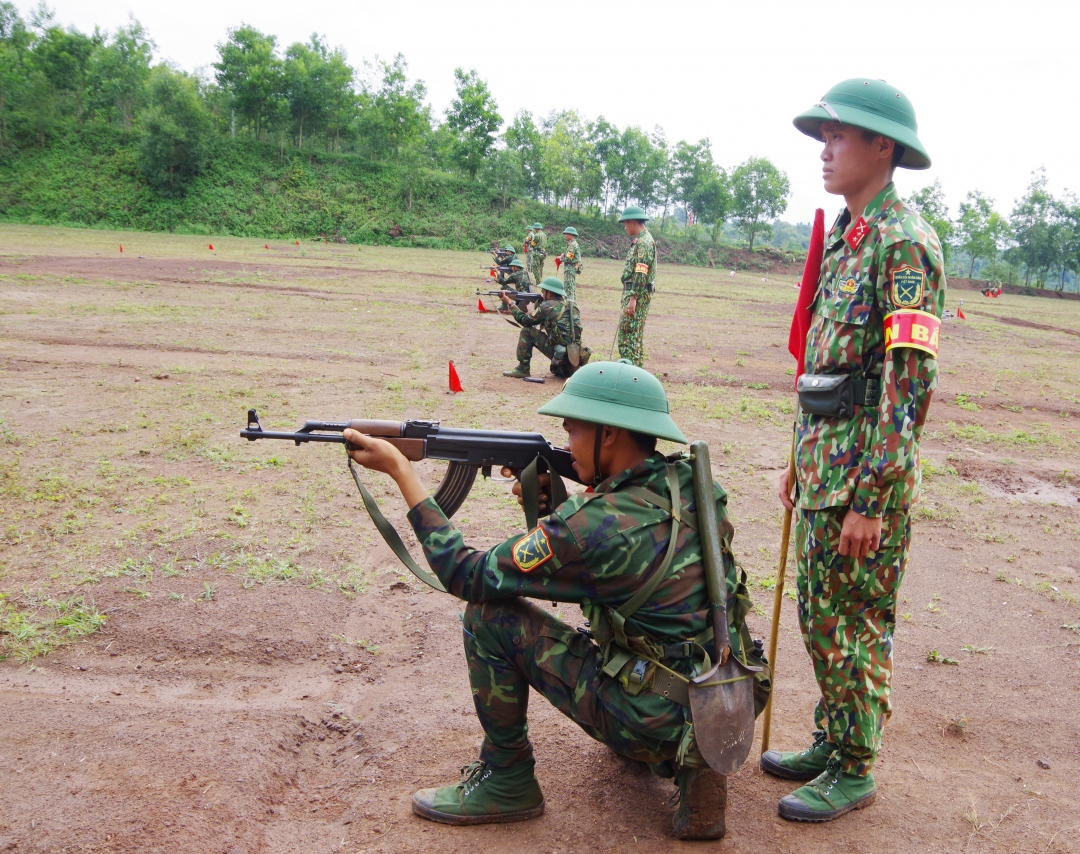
(554, 326)
(875, 319)
(539, 252)
(607, 549)
(571, 263)
(638, 278)
(526, 247)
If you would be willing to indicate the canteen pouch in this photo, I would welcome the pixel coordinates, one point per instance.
(827, 394)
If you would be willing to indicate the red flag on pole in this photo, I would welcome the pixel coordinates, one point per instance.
(808, 287)
(455, 382)
(558, 262)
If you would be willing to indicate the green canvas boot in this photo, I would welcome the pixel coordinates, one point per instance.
(522, 370)
(702, 804)
(829, 795)
(485, 795)
(801, 765)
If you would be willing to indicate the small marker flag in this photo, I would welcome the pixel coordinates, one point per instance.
(211, 247)
(455, 381)
(480, 305)
(121, 247)
(960, 314)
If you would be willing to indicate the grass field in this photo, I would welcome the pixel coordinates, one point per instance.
(208, 646)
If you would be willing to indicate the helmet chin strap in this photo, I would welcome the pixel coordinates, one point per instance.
(597, 477)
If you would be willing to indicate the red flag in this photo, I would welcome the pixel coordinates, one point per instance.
(480, 305)
(455, 382)
(558, 262)
(297, 242)
(121, 247)
(266, 246)
(808, 287)
(960, 314)
(211, 247)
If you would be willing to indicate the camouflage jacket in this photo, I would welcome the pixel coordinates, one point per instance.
(539, 242)
(517, 280)
(561, 320)
(887, 260)
(640, 269)
(597, 549)
(572, 255)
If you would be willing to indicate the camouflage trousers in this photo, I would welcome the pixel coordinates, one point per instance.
(847, 613)
(510, 645)
(536, 268)
(569, 278)
(533, 337)
(632, 329)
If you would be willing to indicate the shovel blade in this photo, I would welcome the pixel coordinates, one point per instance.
(722, 705)
(573, 353)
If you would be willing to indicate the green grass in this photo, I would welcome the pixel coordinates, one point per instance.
(44, 625)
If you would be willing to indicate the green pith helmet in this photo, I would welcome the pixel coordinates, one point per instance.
(875, 106)
(618, 394)
(570, 230)
(633, 212)
(538, 226)
(528, 228)
(509, 247)
(517, 262)
(554, 285)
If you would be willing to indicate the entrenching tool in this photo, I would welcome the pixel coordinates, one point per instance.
(722, 697)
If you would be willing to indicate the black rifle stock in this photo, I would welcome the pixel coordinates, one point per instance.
(466, 451)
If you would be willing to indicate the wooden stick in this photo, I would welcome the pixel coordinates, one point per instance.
(778, 601)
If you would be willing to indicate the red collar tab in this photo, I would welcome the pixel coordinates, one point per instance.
(856, 232)
(859, 229)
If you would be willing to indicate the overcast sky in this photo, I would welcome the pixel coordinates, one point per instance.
(994, 84)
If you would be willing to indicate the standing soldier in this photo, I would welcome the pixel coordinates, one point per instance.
(539, 252)
(638, 278)
(636, 569)
(526, 247)
(551, 329)
(571, 263)
(874, 330)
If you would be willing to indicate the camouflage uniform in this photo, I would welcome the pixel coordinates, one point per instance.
(638, 277)
(596, 550)
(536, 255)
(516, 280)
(887, 260)
(554, 323)
(571, 268)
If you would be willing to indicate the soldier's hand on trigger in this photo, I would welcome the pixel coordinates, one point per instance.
(543, 486)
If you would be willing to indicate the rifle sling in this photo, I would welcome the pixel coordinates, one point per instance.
(391, 536)
(530, 490)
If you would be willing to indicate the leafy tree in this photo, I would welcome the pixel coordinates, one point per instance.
(980, 230)
(64, 58)
(523, 139)
(392, 117)
(251, 72)
(120, 70)
(318, 85)
(699, 184)
(473, 117)
(1070, 237)
(503, 173)
(1034, 231)
(930, 204)
(759, 194)
(176, 132)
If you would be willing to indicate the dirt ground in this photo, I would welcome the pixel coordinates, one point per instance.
(208, 647)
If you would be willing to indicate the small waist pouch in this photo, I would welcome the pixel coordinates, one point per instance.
(827, 394)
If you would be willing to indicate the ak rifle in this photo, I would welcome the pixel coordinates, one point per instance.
(466, 451)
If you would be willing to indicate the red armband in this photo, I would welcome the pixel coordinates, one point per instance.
(919, 330)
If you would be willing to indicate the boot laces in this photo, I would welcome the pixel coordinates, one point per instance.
(472, 775)
(827, 779)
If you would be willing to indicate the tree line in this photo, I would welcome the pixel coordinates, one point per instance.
(56, 79)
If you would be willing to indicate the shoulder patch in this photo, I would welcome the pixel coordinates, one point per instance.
(532, 550)
(641, 268)
(908, 285)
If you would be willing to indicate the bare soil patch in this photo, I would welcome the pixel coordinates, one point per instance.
(267, 678)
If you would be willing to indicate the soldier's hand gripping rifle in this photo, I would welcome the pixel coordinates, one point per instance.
(467, 452)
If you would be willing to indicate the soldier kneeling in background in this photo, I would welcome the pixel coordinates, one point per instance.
(554, 329)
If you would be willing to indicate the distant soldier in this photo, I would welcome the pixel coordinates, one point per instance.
(539, 252)
(517, 279)
(526, 247)
(638, 281)
(571, 263)
(551, 329)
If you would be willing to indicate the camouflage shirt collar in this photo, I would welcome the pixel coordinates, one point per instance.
(640, 474)
(881, 204)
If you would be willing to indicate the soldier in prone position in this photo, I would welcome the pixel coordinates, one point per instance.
(554, 326)
(598, 549)
(875, 318)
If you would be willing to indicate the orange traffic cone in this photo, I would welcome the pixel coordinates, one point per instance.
(455, 381)
(480, 305)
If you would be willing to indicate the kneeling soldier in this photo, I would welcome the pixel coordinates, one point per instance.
(518, 277)
(609, 550)
(554, 327)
